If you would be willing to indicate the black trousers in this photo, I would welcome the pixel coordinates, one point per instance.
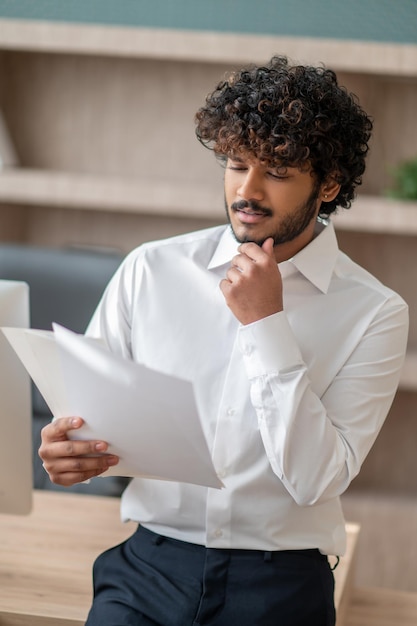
(151, 580)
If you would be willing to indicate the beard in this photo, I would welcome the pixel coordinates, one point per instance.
(291, 226)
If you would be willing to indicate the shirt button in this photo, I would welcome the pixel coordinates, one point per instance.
(247, 350)
(231, 411)
(222, 473)
(218, 533)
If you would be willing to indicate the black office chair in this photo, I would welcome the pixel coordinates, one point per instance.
(65, 287)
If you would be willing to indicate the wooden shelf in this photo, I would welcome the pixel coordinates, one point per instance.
(57, 189)
(379, 215)
(206, 46)
(62, 189)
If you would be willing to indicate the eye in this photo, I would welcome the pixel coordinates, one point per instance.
(236, 166)
(281, 174)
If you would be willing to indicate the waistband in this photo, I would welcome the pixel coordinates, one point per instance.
(150, 537)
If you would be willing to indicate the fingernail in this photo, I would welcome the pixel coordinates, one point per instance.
(100, 446)
(113, 460)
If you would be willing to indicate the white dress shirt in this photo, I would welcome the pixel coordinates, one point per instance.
(290, 404)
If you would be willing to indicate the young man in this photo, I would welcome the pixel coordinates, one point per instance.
(294, 352)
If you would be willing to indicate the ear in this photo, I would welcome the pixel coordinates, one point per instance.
(329, 190)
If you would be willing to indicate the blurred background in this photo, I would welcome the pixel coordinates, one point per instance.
(98, 154)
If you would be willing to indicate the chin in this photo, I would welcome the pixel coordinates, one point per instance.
(247, 237)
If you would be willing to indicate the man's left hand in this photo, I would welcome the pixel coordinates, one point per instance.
(253, 285)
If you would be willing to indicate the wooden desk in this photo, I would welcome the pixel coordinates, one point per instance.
(46, 558)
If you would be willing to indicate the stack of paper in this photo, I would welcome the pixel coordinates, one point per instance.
(150, 420)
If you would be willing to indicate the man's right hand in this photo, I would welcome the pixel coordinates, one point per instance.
(69, 461)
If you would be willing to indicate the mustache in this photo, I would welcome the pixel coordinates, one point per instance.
(252, 205)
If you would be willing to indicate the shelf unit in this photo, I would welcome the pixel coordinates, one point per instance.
(63, 189)
(89, 110)
(204, 46)
(375, 214)
(101, 121)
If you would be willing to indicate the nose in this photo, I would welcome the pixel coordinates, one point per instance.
(251, 185)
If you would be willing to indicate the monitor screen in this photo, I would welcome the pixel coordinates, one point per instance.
(15, 406)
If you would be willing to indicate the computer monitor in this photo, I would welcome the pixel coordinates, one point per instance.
(15, 406)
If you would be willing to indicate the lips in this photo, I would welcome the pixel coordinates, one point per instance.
(248, 216)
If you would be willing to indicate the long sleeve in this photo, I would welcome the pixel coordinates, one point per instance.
(316, 445)
(112, 320)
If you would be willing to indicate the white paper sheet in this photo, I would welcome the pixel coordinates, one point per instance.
(150, 420)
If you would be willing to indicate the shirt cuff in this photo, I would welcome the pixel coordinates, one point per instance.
(269, 346)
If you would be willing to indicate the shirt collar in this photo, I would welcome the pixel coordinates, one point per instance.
(225, 251)
(315, 262)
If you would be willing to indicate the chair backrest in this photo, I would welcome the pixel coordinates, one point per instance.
(65, 286)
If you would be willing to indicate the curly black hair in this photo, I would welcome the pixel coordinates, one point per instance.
(293, 116)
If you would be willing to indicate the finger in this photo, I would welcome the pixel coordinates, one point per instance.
(235, 276)
(71, 448)
(268, 247)
(58, 429)
(66, 479)
(251, 250)
(242, 262)
(81, 464)
(224, 285)
(69, 479)
(258, 254)
(71, 470)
